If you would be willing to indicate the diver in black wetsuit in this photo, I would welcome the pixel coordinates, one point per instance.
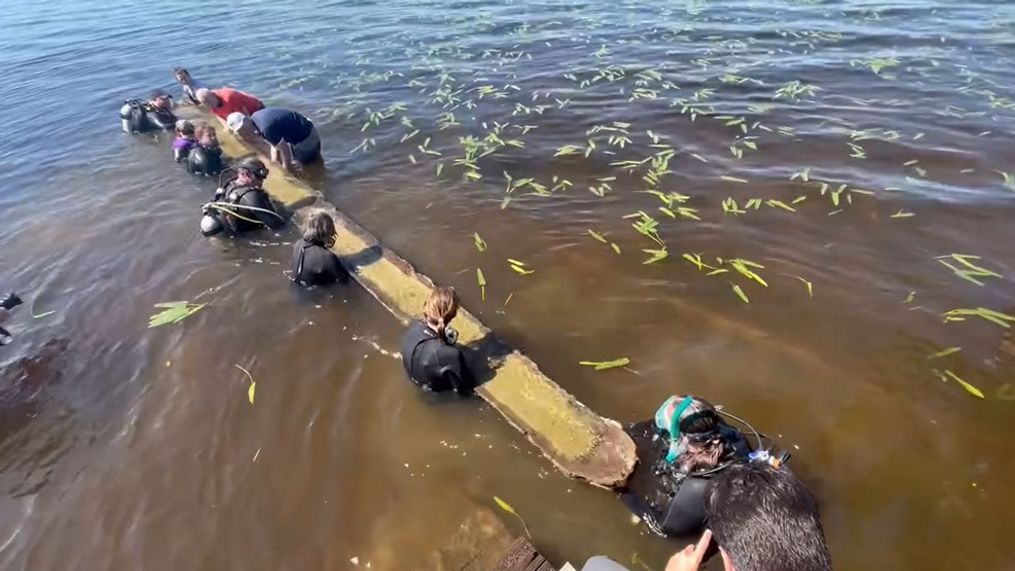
(241, 205)
(313, 262)
(9, 302)
(429, 354)
(156, 114)
(679, 452)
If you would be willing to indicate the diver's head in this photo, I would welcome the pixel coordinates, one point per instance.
(184, 129)
(250, 172)
(183, 76)
(440, 308)
(320, 229)
(240, 124)
(207, 98)
(207, 136)
(160, 99)
(694, 427)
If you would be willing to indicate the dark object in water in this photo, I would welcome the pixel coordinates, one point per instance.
(138, 116)
(206, 161)
(10, 301)
(435, 364)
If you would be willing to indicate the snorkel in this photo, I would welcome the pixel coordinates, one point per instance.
(670, 423)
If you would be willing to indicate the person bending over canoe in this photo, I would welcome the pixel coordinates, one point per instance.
(293, 138)
(313, 262)
(429, 353)
(224, 101)
(241, 205)
(156, 114)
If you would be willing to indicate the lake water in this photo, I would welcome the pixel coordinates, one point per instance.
(128, 448)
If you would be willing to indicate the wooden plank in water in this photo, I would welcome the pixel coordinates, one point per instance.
(578, 441)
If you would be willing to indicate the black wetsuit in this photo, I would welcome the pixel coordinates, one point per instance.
(246, 219)
(142, 117)
(670, 501)
(205, 160)
(435, 364)
(314, 264)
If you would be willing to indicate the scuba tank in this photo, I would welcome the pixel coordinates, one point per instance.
(132, 114)
(211, 219)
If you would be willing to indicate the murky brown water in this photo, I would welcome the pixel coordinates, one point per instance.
(126, 448)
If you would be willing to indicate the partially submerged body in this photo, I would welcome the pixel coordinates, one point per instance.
(155, 114)
(241, 205)
(313, 263)
(430, 354)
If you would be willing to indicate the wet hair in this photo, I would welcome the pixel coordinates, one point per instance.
(764, 519)
(320, 229)
(185, 127)
(440, 308)
(177, 71)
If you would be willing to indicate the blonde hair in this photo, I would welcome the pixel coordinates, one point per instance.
(320, 229)
(440, 308)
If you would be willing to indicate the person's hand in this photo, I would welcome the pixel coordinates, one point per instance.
(689, 559)
(10, 301)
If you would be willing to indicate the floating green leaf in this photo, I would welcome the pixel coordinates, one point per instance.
(481, 280)
(945, 352)
(969, 388)
(604, 365)
(478, 240)
(655, 255)
(740, 293)
(253, 385)
(173, 312)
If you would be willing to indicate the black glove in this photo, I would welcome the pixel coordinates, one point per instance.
(10, 301)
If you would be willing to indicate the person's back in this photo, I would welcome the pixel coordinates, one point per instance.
(430, 356)
(261, 211)
(765, 519)
(313, 263)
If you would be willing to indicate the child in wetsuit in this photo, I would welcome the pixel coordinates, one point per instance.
(206, 156)
(185, 140)
(313, 262)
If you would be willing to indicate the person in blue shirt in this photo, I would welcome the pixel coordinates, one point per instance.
(293, 138)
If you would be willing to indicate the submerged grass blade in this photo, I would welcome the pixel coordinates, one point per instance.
(507, 507)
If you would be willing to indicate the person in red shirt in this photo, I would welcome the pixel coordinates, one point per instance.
(224, 101)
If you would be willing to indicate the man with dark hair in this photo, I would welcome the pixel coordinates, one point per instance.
(764, 519)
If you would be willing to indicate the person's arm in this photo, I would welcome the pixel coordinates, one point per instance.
(282, 154)
(461, 376)
(338, 270)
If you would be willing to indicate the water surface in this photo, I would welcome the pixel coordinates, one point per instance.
(123, 447)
